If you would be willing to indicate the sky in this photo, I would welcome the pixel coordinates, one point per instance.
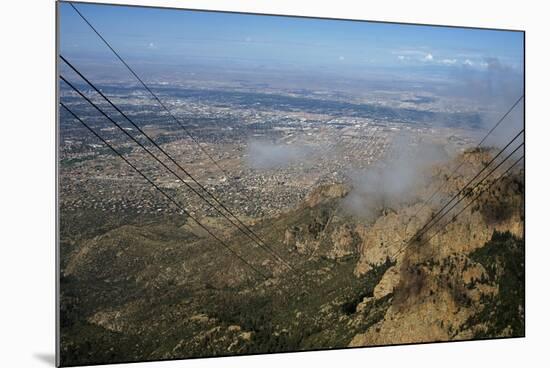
(173, 36)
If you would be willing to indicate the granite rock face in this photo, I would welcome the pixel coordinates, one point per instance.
(439, 288)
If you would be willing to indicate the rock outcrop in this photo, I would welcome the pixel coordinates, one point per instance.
(438, 290)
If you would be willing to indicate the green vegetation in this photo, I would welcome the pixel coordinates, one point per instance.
(307, 310)
(370, 280)
(75, 160)
(303, 310)
(503, 314)
(145, 288)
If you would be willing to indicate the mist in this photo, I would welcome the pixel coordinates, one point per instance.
(268, 155)
(395, 180)
(495, 90)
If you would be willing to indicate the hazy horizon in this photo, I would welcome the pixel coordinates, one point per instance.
(165, 41)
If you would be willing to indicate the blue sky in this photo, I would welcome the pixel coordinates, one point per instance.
(170, 36)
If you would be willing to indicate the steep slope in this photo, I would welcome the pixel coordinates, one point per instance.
(162, 290)
(442, 286)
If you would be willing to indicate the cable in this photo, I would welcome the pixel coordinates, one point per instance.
(417, 236)
(475, 198)
(471, 190)
(150, 91)
(157, 159)
(465, 207)
(469, 182)
(164, 193)
(162, 163)
(463, 160)
(257, 237)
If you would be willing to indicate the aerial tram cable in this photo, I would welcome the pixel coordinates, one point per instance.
(155, 96)
(465, 187)
(499, 121)
(418, 235)
(259, 241)
(167, 167)
(170, 198)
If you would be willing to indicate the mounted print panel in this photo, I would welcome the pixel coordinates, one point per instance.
(234, 183)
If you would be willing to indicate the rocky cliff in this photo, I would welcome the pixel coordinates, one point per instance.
(156, 291)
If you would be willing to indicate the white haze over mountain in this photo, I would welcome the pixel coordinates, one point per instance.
(394, 180)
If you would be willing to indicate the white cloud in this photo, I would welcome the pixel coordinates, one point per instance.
(341, 58)
(428, 57)
(468, 62)
(449, 61)
(152, 45)
(401, 57)
(409, 52)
